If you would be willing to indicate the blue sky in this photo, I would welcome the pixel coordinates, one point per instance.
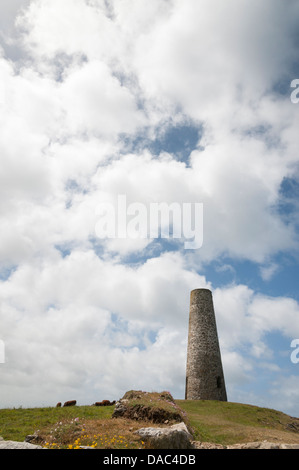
(163, 102)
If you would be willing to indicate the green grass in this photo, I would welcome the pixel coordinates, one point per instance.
(230, 423)
(16, 424)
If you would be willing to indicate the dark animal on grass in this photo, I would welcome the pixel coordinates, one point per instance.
(70, 403)
(104, 403)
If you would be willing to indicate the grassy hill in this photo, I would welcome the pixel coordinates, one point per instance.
(233, 423)
(211, 421)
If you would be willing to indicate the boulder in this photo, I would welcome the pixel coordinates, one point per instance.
(176, 436)
(18, 445)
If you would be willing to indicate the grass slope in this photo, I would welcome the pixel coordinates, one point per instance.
(232, 423)
(16, 424)
(211, 421)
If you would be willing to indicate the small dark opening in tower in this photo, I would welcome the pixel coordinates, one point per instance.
(218, 381)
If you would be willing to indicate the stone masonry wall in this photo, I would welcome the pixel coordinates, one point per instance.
(204, 373)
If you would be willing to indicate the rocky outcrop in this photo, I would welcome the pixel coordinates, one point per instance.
(134, 405)
(144, 413)
(17, 445)
(176, 436)
(264, 445)
(120, 409)
(246, 445)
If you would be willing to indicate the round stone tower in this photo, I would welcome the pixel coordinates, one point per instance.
(204, 374)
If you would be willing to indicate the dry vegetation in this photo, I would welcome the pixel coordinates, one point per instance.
(96, 433)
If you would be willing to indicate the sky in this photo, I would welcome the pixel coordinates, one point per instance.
(157, 102)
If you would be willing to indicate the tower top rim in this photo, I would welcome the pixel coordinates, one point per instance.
(201, 289)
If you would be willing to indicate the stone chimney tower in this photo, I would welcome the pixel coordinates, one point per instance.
(204, 374)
